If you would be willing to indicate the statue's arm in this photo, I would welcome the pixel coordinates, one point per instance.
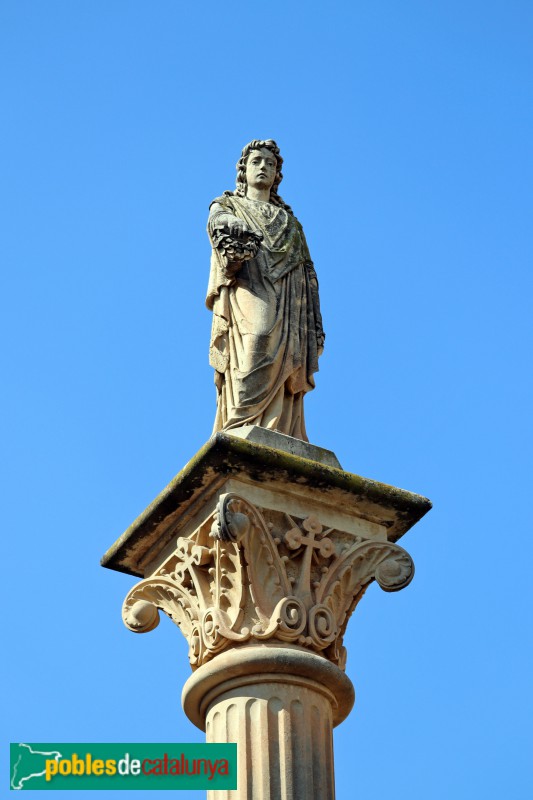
(231, 238)
(220, 219)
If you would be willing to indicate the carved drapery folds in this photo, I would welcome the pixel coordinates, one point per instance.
(255, 575)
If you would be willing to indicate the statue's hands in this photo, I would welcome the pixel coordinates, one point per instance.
(237, 227)
(235, 241)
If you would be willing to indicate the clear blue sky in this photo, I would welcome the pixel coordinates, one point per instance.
(406, 132)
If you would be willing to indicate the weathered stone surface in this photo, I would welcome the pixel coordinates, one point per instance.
(267, 328)
(288, 444)
(266, 476)
(251, 575)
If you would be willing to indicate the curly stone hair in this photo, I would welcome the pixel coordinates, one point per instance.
(258, 144)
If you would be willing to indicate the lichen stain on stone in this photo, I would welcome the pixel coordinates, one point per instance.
(226, 456)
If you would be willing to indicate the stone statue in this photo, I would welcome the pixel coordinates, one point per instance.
(267, 329)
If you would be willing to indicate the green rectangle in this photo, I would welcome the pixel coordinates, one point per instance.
(123, 766)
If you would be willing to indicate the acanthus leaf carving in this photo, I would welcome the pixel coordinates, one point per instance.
(265, 576)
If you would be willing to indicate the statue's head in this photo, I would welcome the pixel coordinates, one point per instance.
(259, 145)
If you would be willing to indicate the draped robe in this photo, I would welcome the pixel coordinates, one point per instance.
(266, 321)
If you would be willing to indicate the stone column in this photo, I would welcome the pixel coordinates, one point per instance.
(260, 551)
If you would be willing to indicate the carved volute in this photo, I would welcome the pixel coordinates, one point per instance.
(249, 575)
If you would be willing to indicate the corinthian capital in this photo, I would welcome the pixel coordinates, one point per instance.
(251, 574)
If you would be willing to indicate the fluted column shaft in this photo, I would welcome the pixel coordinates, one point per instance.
(280, 706)
(284, 736)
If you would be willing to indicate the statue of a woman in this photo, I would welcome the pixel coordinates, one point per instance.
(267, 330)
